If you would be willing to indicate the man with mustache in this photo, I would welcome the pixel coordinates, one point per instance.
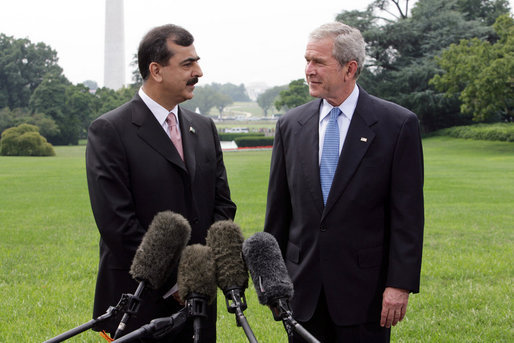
(147, 156)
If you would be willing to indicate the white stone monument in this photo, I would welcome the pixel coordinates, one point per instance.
(114, 59)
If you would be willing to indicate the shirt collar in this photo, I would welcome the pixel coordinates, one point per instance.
(158, 111)
(347, 107)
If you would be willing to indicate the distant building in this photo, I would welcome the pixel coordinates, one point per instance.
(114, 53)
(255, 89)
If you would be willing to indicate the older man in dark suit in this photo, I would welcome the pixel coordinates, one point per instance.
(151, 155)
(345, 198)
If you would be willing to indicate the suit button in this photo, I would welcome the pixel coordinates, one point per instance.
(195, 220)
(323, 228)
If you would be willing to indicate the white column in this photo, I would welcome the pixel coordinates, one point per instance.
(114, 59)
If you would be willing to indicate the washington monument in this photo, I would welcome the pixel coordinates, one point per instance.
(114, 59)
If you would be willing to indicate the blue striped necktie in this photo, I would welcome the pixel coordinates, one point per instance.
(330, 153)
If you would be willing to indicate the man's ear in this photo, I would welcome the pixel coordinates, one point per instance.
(155, 70)
(351, 69)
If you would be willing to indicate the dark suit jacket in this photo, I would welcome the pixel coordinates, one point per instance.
(370, 233)
(134, 172)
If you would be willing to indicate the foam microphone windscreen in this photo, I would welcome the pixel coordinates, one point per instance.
(267, 268)
(197, 273)
(160, 249)
(226, 241)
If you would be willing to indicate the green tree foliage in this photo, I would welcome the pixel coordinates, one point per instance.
(33, 90)
(209, 96)
(401, 51)
(235, 93)
(24, 140)
(268, 97)
(23, 66)
(221, 101)
(203, 99)
(50, 98)
(481, 74)
(295, 95)
(484, 11)
(47, 126)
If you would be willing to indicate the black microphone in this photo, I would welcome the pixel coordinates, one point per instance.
(197, 283)
(226, 240)
(271, 280)
(156, 257)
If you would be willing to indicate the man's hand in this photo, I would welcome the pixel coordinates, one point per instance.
(394, 306)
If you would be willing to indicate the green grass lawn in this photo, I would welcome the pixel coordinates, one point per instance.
(49, 252)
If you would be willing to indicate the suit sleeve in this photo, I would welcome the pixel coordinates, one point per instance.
(224, 207)
(109, 191)
(406, 209)
(278, 206)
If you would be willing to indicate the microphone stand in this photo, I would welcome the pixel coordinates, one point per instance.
(122, 306)
(159, 327)
(196, 305)
(281, 311)
(237, 306)
(132, 308)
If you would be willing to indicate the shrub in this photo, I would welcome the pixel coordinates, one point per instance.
(228, 137)
(253, 141)
(24, 140)
(491, 132)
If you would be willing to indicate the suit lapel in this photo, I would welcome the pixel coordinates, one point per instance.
(308, 147)
(150, 131)
(359, 138)
(189, 139)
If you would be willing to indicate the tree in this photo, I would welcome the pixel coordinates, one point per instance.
(266, 99)
(481, 74)
(236, 93)
(70, 106)
(46, 125)
(24, 140)
(295, 95)
(221, 101)
(207, 97)
(137, 79)
(484, 11)
(401, 53)
(203, 99)
(23, 66)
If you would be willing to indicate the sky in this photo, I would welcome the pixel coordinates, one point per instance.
(238, 41)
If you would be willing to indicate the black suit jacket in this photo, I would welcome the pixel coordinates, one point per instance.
(134, 172)
(370, 233)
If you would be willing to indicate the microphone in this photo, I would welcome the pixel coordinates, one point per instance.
(197, 283)
(155, 258)
(226, 240)
(271, 280)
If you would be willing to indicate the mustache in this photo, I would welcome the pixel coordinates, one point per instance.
(192, 81)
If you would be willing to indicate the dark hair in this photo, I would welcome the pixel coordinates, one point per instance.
(154, 46)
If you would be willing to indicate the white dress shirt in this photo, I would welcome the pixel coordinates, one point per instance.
(343, 121)
(158, 111)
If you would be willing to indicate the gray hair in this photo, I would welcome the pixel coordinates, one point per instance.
(348, 43)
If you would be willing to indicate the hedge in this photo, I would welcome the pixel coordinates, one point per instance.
(491, 132)
(229, 137)
(246, 142)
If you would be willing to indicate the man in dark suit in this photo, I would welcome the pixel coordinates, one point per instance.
(135, 170)
(350, 226)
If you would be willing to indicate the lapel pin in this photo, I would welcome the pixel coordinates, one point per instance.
(364, 139)
(192, 129)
